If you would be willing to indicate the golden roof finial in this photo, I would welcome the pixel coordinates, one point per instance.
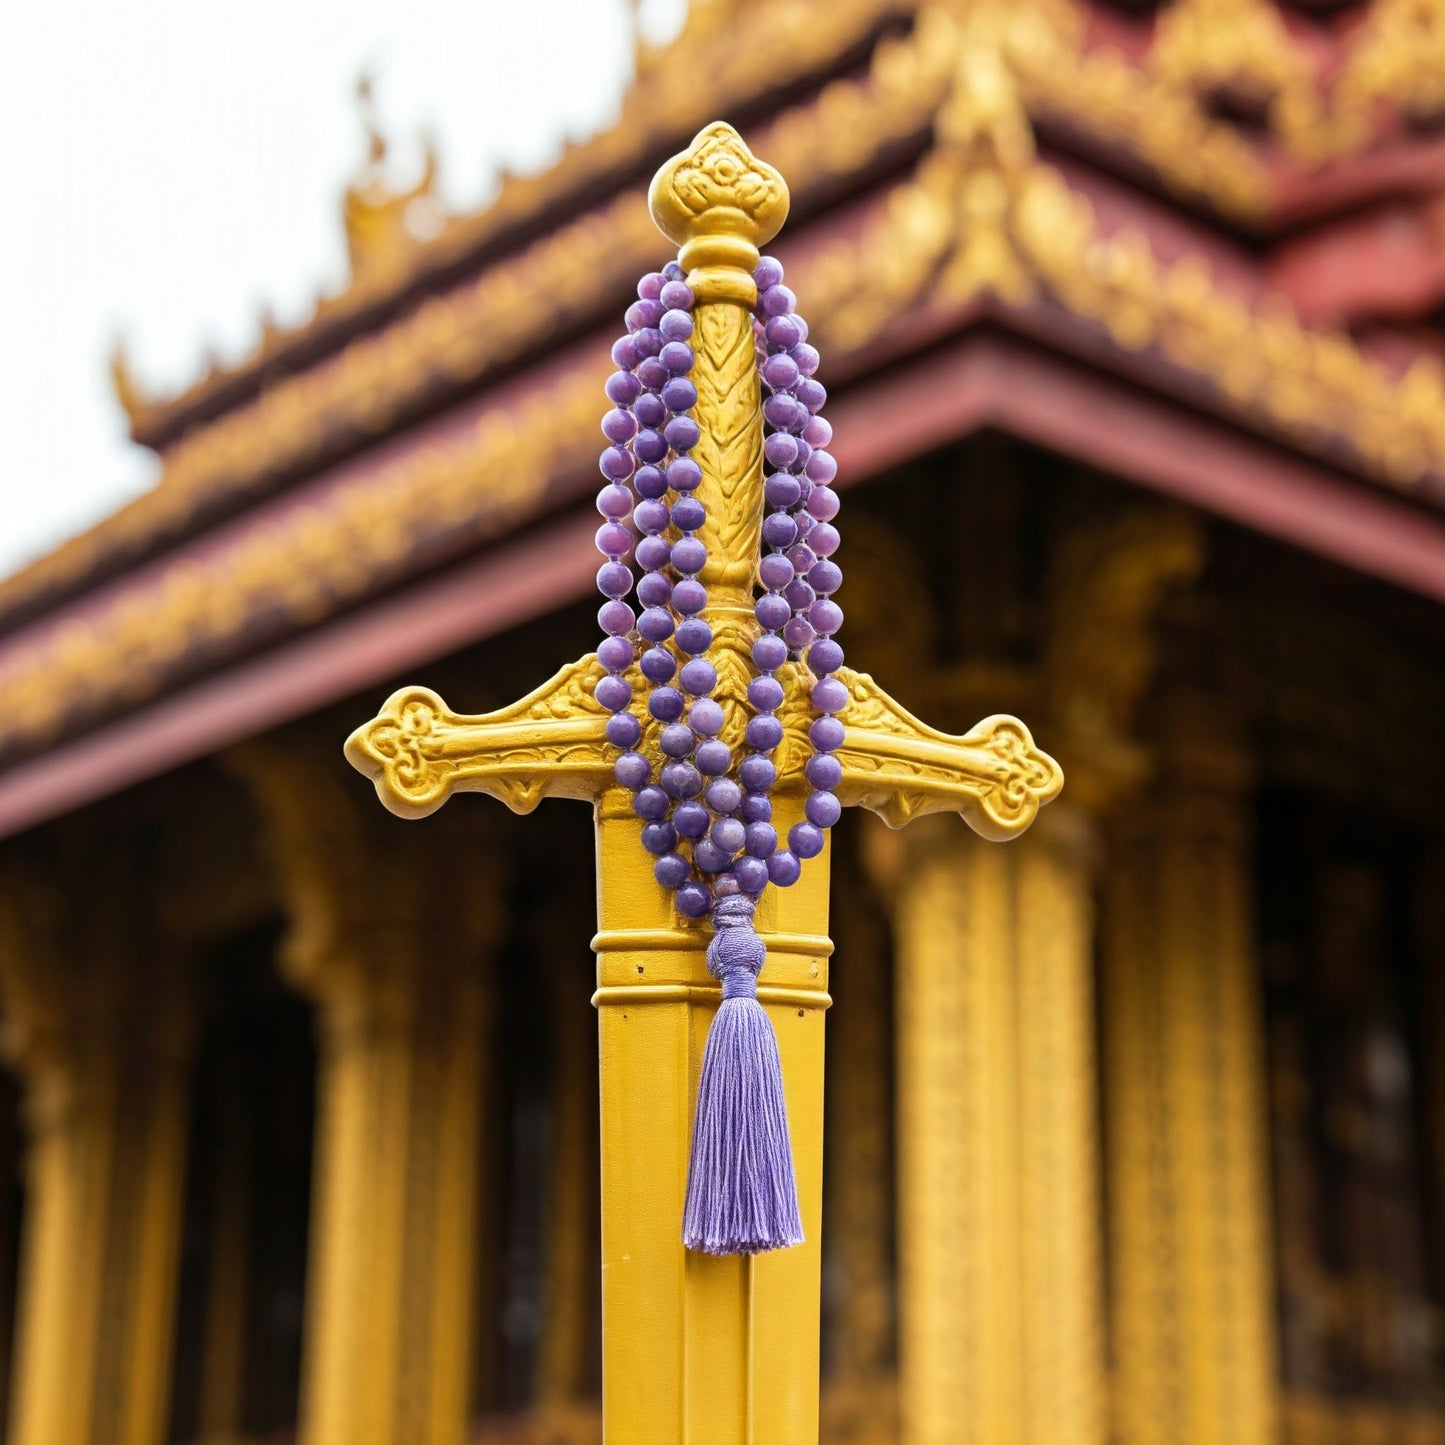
(127, 389)
(378, 219)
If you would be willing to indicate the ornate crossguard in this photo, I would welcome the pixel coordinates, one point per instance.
(760, 703)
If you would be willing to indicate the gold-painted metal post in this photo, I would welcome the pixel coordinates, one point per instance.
(698, 1350)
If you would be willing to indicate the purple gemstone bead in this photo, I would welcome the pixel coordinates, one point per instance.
(772, 611)
(612, 692)
(826, 733)
(725, 885)
(764, 732)
(682, 433)
(757, 773)
(802, 556)
(751, 873)
(811, 392)
(673, 272)
(780, 449)
(614, 579)
(615, 654)
(624, 353)
(614, 540)
(757, 808)
(650, 446)
(650, 410)
(681, 780)
(805, 358)
(825, 576)
(665, 704)
(650, 287)
(651, 804)
(679, 394)
(805, 839)
(659, 837)
(691, 820)
(684, 474)
(616, 617)
(676, 325)
(775, 571)
(805, 455)
(614, 501)
(805, 518)
(818, 432)
(632, 770)
(623, 388)
(676, 296)
(724, 796)
(694, 900)
(782, 490)
(688, 514)
(656, 624)
(672, 870)
(769, 652)
(823, 810)
(688, 596)
(779, 530)
(768, 272)
(782, 411)
(776, 300)
(824, 539)
(713, 757)
(676, 356)
(676, 740)
(698, 676)
(651, 516)
(824, 771)
(689, 555)
(705, 717)
(822, 466)
(760, 839)
(653, 589)
(800, 595)
(693, 636)
(765, 694)
(783, 332)
(709, 857)
(649, 308)
(619, 426)
(829, 695)
(802, 326)
(729, 835)
(823, 503)
(623, 730)
(826, 617)
(784, 869)
(652, 553)
(798, 633)
(616, 463)
(651, 482)
(779, 372)
(650, 371)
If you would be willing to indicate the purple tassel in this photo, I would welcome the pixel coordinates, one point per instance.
(741, 1194)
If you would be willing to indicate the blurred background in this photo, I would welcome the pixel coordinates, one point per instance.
(1131, 320)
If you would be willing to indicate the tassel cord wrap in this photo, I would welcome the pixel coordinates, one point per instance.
(742, 1197)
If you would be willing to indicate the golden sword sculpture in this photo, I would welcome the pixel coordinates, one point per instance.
(698, 1348)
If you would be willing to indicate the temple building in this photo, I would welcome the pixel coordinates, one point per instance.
(1131, 320)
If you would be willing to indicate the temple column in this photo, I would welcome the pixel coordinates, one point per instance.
(100, 1035)
(1000, 1336)
(400, 983)
(1192, 1277)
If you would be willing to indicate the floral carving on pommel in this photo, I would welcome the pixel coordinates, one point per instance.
(718, 187)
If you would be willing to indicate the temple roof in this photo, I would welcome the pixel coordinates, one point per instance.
(1228, 204)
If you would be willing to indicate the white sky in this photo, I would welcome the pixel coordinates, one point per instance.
(168, 166)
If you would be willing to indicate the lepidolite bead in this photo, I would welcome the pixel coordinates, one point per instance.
(623, 730)
(646, 311)
(769, 652)
(616, 617)
(713, 757)
(665, 704)
(827, 733)
(798, 633)
(779, 530)
(760, 839)
(775, 571)
(689, 596)
(693, 636)
(682, 433)
(782, 332)
(615, 653)
(653, 553)
(612, 692)
(757, 773)
(691, 820)
(781, 490)
(656, 624)
(619, 426)
(805, 358)
(676, 356)
(784, 868)
(689, 555)
(688, 514)
(800, 596)
(650, 371)
(724, 796)
(614, 501)
(757, 808)
(822, 466)
(651, 804)
(676, 295)
(684, 474)
(658, 664)
(632, 770)
(681, 780)
(818, 432)
(698, 676)
(779, 372)
(709, 857)
(615, 540)
(659, 837)
(649, 288)
(825, 656)
(824, 539)
(824, 771)
(650, 410)
(651, 516)
(765, 694)
(705, 717)
(729, 834)
(614, 579)
(826, 617)
(654, 590)
(649, 446)
(776, 300)
(624, 353)
(823, 809)
(772, 611)
(676, 740)
(768, 272)
(616, 463)
(764, 732)
(672, 870)
(650, 482)
(679, 394)
(825, 576)
(751, 873)
(676, 325)
(623, 388)
(805, 839)
(823, 504)
(694, 900)
(780, 450)
(829, 695)
(784, 412)
(812, 393)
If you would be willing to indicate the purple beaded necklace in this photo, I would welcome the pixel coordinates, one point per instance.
(712, 833)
